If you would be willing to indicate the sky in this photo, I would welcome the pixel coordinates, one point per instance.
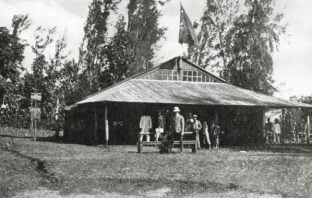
(292, 62)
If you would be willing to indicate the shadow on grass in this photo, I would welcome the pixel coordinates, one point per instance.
(278, 148)
(12, 136)
(139, 186)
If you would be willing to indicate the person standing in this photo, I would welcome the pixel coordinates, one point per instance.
(197, 126)
(145, 126)
(216, 131)
(176, 129)
(277, 131)
(205, 135)
(161, 122)
(189, 123)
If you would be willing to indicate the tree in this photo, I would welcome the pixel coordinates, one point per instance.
(237, 41)
(73, 83)
(54, 78)
(217, 20)
(143, 24)
(250, 42)
(39, 79)
(11, 56)
(95, 39)
(119, 54)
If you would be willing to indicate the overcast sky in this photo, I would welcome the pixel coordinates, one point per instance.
(292, 63)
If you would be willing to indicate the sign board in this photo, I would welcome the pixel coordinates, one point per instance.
(35, 113)
(36, 96)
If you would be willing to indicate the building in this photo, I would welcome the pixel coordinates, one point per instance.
(113, 114)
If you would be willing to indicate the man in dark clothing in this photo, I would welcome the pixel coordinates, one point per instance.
(160, 126)
(216, 131)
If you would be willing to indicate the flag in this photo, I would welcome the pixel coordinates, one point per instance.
(187, 32)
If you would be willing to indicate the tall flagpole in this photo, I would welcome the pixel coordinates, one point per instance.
(182, 50)
(181, 54)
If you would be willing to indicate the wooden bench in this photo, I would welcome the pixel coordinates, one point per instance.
(191, 143)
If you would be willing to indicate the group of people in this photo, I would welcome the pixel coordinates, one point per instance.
(294, 132)
(273, 131)
(169, 128)
(202, 132)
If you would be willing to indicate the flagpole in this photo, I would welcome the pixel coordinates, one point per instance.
(187, 33)
(182, 50)
(198, 55)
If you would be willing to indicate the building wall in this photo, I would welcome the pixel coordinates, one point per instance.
(241, 126)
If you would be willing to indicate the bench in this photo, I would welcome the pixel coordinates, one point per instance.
(190, 143)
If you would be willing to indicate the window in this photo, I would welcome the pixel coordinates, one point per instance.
(175, 75)
(164, 74)
(183, 75)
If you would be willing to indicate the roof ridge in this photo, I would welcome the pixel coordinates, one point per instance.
(180, 81)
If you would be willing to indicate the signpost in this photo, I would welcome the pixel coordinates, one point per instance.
(35, 111)
(308, 129)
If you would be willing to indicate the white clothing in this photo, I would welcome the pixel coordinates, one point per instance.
(277, 128)
(148, 138)
(159, 130)
(146, 123)
(207, 135)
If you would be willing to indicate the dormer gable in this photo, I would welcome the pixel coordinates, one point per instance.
(179, 69)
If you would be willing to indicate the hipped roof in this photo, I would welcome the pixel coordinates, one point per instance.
(137, 90)
(186, 93)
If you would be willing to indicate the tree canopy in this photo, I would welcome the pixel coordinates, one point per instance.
(143, 25)
(238, 40)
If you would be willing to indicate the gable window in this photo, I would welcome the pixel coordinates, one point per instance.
(183, 75)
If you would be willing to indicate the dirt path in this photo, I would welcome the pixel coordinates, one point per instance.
(162, 192)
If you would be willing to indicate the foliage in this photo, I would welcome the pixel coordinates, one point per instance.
(11, 56)
(238, 39)
(253, 38)
(45, 76)
(143, 24)
(119, 56)
(303, 113)
(217, 20)
(92, 51)
(39, 79)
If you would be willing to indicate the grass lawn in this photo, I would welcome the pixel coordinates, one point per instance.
(282, 171)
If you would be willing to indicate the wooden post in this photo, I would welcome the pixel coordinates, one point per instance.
(139, 143)
(181, 144)
(263, 127)
(95, 126)
(195, 146)
(35, 130)
(308, 129)
(35, 122)
(283, 127)
(106, 127)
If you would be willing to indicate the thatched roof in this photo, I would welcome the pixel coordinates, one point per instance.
(189, 93)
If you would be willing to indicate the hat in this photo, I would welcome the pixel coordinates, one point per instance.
(176, 109)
